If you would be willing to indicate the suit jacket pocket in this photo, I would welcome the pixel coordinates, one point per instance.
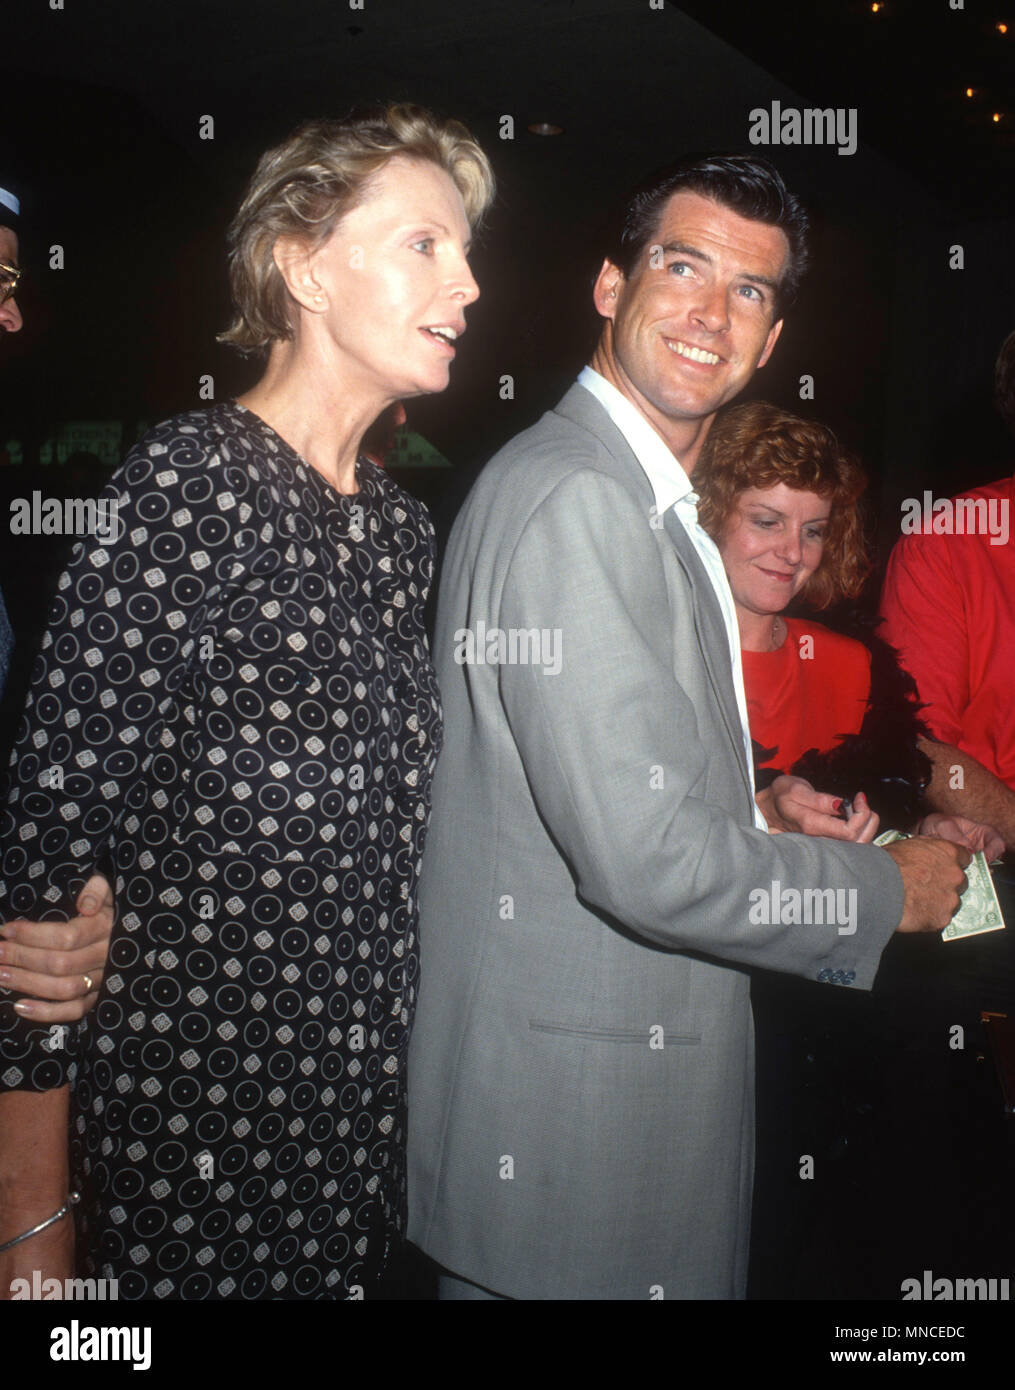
(617, 1035)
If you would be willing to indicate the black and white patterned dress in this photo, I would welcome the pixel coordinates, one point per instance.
(239, 699)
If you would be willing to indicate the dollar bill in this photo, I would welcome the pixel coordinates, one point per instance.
(888, 837)
(979, 910)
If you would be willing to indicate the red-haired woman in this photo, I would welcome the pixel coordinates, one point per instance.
(780, 498)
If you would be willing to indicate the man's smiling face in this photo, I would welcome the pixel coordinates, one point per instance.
(696, 318)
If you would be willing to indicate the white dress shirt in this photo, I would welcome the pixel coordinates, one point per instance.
(672, 488)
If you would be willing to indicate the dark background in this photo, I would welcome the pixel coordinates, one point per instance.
(101, 126)
(103, 101)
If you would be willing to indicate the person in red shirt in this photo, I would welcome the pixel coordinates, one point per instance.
(780, 498)
(949, 608)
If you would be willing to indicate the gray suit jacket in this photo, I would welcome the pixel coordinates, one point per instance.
(581, 1078)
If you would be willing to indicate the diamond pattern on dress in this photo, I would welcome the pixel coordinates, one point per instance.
(260, 897)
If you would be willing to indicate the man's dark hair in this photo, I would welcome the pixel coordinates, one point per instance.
(1004, 381)
(744, 183)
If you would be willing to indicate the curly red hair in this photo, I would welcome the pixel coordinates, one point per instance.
(758, 445)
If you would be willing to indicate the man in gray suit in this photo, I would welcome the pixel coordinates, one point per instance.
(598, 871)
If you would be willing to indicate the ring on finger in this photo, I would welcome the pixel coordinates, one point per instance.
(89, 985)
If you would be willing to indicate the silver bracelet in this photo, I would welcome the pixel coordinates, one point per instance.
(72, 1200)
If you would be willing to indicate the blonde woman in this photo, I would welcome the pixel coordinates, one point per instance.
(238, 699)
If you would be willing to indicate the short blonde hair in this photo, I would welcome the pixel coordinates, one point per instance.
(306, 185)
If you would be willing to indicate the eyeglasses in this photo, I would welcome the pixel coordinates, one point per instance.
(10, 277)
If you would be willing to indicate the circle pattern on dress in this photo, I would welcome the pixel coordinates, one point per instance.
(237, 698)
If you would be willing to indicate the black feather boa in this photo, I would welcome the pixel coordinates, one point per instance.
(882, 760)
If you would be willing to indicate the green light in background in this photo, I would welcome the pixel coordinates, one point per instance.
(411, 450)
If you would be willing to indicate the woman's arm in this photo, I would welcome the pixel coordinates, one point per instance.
(34, 1186)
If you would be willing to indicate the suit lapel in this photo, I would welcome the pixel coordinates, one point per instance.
(713, 639)
(582, 408)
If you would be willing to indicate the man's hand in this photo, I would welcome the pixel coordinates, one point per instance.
(59, 960)
(791, 803)
(973, 834)
(976, 793)
(933, 879)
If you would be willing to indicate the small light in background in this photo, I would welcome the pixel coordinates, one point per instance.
(1001, 28)
(997, 117)
(970, 91)
(545, 128)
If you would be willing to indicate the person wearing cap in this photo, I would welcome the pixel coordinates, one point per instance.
(10, 322)
(10, 270)
(42, 957)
